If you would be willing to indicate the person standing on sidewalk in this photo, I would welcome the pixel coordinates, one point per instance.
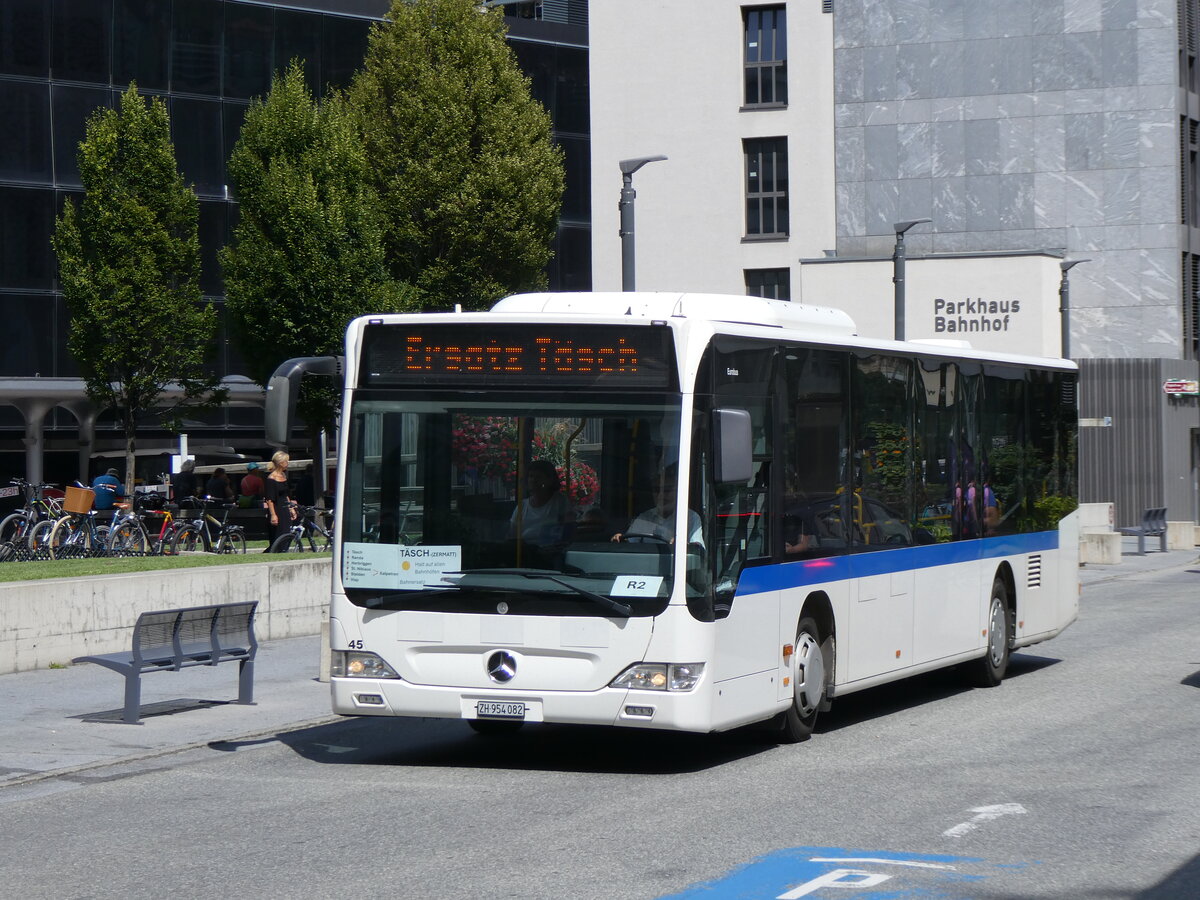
(280, 509)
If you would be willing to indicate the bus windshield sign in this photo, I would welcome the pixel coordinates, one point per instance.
(518, 354)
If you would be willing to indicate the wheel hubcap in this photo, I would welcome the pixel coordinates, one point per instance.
(997, 632)
(810, 674)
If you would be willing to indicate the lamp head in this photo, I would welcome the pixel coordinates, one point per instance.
(629, 166)
(901, 227)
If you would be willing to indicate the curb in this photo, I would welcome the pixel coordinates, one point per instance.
(35, 777)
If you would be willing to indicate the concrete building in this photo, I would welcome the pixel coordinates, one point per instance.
(61, 59)
(799, 133)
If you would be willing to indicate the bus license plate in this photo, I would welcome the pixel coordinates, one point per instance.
(499, 709)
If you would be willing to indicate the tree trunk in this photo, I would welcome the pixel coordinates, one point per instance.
(130, 456)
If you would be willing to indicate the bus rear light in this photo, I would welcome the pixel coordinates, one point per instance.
(660, 677)
(359, 664)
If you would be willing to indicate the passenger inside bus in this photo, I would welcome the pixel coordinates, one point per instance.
(544, 514)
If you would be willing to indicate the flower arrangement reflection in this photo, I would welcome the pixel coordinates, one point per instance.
(489, 445)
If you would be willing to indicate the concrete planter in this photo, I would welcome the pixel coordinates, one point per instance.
(55, 620)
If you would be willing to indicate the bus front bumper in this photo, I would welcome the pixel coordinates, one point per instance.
(678, 711)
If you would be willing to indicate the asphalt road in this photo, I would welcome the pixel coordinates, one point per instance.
(1076, 778)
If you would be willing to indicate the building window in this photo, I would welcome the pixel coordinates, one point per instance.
(774, 284)
(765, 49)
(1191, 305)
(766, 188)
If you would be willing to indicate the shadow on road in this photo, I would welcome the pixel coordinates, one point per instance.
(446, 743)
(892, 698)
(1179, 885)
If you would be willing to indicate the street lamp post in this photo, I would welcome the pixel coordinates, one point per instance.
(898, 259)
(628, 167)
(1064, 303)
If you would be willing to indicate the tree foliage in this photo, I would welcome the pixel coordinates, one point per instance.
(308, 251)
(129, 264)
(462, 156)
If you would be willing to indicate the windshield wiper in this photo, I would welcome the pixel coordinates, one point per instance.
(615, 606)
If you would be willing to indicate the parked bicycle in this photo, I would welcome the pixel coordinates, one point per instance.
(16, 527)
(75, 534)
(206, 532)
(129, 534)
(306, 534)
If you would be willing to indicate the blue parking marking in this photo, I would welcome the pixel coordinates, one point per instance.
(821, 872)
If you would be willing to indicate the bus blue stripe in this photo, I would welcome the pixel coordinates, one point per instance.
(757, 579)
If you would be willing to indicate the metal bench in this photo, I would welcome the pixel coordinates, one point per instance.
(174, 639)
(1154, 524)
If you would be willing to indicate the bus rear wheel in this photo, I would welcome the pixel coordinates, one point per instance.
(810, 675)
(989, 671)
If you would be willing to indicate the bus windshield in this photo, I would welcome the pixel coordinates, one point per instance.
(548, 505)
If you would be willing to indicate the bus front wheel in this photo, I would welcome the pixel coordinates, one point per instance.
(989, 671)
(810, 675)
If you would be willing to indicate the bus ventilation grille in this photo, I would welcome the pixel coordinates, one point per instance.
(1033, 573)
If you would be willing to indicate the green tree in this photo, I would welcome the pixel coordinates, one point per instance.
(308, 252)
(462, 156)
(129, 264)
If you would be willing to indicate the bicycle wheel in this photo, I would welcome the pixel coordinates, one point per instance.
(128, 538)
(39, 536)
(162, 543)
(69, 538)
(232, 542)
(319, 541)
(287, 543)
(187, 540)
(14, 528)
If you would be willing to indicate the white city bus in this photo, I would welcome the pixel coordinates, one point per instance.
(756, 511)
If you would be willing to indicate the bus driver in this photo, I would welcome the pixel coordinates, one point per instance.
(659, 520)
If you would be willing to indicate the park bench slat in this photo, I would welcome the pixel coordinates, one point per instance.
(1154, 524)
(173, 639)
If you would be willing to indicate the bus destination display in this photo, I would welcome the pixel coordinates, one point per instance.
(518, 354)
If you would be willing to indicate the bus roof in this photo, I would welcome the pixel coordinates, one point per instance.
(665, 305)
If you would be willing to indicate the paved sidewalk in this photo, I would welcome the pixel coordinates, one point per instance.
(1132, 565)
(57, 721)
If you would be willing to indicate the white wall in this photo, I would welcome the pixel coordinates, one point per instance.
(58, 619)
(1016, 296)
(666, 78)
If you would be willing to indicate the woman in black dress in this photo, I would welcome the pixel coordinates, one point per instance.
(280, 510)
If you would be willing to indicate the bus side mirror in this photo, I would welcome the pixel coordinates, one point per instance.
(282, 388)
(732, 446)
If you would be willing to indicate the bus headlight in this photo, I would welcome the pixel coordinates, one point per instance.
(660, 677)
(359, 664)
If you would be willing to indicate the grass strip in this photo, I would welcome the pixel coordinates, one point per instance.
(37, 570)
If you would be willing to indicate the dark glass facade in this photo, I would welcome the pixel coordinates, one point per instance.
(62, 59)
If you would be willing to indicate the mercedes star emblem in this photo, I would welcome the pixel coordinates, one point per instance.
(501, 666)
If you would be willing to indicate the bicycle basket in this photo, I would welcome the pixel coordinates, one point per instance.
(151, 501)
(79, 499)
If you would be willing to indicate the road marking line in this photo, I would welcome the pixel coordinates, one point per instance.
(888, 862)
(984, 814)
